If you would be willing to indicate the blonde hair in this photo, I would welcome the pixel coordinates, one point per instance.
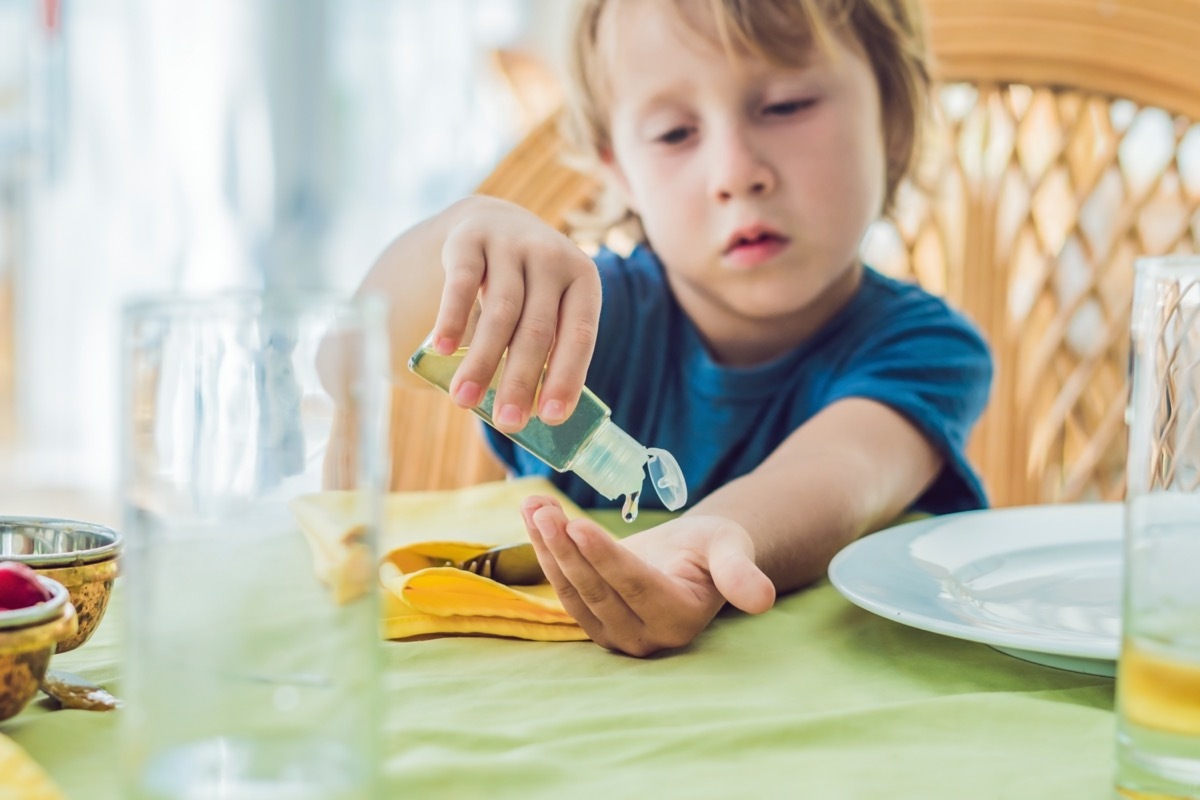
(890, 34)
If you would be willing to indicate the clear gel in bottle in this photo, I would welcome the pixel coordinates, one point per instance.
(587, 443)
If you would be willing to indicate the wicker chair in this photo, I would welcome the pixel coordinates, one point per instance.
(1066, 143)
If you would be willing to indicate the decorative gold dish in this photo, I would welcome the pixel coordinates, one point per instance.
(82, 556)
(28, 637)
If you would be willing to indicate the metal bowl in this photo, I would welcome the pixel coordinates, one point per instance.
(40, 542)
(27, 640)
(82, 556)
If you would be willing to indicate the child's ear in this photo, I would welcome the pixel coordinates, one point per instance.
(614, 176)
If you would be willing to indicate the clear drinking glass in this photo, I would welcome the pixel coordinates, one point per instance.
(246, 675)
(1158, 674)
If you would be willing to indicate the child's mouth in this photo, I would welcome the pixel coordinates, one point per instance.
(753, 248)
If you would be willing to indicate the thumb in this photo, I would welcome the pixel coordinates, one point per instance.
(737, 577)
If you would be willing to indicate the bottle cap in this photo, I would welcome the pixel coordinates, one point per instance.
(667, 478)
(611, 462)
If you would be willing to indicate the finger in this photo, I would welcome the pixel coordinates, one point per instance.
(526, 359)
(464, 261)
(588, 587)
(574, 342)
(531, 504)
(648, 593)
(738, 578)
(547, 528)
(503, 296)
(644, 610)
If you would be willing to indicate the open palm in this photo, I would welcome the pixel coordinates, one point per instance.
(654, 590)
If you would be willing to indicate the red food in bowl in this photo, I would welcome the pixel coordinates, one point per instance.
(19, 587)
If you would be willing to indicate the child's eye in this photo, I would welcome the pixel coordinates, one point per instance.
(788, 108)
(674, 136)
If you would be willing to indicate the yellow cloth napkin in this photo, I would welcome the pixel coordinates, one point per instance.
(430, 600)
(20, 776)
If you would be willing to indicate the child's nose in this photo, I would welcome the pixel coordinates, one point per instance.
(740, 170)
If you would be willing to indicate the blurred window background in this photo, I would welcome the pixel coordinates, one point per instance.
(152, 146)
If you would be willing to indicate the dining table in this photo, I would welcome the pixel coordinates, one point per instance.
(815, 698)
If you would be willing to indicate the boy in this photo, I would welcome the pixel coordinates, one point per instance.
(808, 399)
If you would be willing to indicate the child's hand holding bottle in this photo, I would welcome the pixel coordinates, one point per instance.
(511, 283)
(538, 296)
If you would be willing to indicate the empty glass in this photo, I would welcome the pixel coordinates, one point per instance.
(1158, 674)
(251, 669)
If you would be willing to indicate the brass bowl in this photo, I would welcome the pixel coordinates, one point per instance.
(27, 640)
(81, 556)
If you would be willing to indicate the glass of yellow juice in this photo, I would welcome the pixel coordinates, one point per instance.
(1158, 673)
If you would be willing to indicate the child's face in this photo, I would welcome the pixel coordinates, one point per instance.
(754, 183)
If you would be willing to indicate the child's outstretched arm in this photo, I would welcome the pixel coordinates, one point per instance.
(851, 469)
(538, 297)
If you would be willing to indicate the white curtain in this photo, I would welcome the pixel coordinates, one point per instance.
(184, 146)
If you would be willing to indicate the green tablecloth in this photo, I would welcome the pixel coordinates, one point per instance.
(816, 698)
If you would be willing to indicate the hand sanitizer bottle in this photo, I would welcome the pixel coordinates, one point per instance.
(587, 443)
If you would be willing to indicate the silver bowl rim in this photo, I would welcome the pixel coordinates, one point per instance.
(70, 559)
(38, 613)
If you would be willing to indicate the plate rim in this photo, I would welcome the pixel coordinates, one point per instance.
(905, 533)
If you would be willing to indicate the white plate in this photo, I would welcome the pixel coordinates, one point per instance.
(1042, 583)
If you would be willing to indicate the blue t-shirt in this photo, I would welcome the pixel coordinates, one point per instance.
(893, 342)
